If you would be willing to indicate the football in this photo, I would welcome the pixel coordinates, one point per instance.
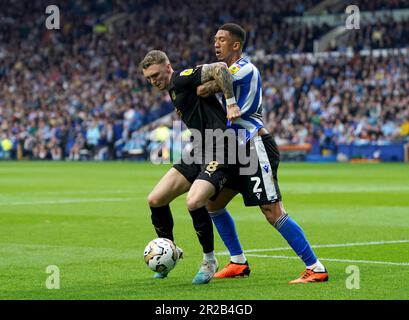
(161, 255)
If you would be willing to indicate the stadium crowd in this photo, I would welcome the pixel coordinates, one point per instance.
(362, 99)
(373, 5)
(77, 93)
(376, 34)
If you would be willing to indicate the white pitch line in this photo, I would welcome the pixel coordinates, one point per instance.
(79, 192)
(334, 245)
(333, 260)
(23, 203)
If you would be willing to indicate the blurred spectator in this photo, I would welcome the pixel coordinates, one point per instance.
(93, 134)
(6, 146)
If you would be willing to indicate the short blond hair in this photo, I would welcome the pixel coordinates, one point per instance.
(154, 57)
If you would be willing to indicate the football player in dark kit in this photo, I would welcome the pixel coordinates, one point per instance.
(202, 180)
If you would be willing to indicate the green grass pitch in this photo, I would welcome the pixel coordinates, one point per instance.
(91, 220)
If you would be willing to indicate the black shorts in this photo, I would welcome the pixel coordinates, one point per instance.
(213, 172)
(262, 187)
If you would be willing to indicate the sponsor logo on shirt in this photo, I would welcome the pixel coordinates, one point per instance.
(234, 68)
(186, 72)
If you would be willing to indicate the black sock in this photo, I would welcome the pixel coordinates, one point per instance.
(162, 220)
(204, 228)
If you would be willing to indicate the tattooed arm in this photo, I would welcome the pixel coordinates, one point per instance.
(208, 88)
(219, 72)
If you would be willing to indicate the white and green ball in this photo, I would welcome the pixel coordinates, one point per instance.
(161, 255)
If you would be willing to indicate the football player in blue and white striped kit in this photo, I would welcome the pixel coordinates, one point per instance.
(260, 189)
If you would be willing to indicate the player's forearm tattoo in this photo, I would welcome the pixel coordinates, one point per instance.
(219, 72)
(211, 86)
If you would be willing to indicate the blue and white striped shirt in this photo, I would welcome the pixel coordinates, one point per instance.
(248, 94)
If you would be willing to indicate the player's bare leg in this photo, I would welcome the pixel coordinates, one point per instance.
(222, 200)
(199, 194)
(289, 229)
(273, 211)
(169, 187)
(237, 266)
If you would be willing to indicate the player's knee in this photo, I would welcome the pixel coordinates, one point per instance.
(194, 203)
(155, 201)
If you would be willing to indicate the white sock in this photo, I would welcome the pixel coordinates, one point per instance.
(317, 267)
(240, 258)
(209, 256)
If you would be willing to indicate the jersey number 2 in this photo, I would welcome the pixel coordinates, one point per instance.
(256, 188)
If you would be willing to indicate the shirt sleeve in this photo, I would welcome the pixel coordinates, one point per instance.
(188, 78)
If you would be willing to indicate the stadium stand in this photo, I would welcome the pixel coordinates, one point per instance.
(371, 5)
(77, 94)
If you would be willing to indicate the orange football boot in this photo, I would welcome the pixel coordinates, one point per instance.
(232, 270)
(311, 276)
